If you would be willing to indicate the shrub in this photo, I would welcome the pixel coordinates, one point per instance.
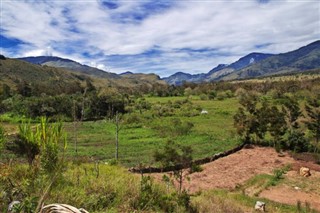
(297, 142)
(203, 97)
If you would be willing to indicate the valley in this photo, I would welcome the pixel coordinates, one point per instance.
(73, 134)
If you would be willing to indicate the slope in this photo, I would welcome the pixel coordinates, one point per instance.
(43, 79)
(304, 58)
(53, 61)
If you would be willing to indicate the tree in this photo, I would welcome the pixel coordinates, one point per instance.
(6, 92)
(118, 128)
(1, 138)
(297, 142)
(313, 122)
(292, 112)
(177, 156)
(246, 120)
(277, 126)
(142, 104)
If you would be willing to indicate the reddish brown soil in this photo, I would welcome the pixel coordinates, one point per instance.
(235, 169)
(297, 188)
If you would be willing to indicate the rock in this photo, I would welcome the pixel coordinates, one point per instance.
(305, 172)
(260, 206)
(12, 204)
(297, 188)
(204, 112)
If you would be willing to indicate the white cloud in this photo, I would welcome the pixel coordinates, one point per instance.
(231, 28)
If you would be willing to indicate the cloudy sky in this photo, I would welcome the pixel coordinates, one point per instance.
(156, 36)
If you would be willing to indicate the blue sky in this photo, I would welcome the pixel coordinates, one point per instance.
(162, 37)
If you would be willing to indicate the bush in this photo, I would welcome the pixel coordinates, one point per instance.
(297, 142)
(174, 128)
(203, 97)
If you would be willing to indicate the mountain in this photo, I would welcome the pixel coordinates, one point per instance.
(42, 79)
(180, 77)
(304, 58)
(217, 72)
(112, 79)
(141, 78)
(257, 65)
(68, 64)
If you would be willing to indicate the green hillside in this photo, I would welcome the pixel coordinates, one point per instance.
(304, 58)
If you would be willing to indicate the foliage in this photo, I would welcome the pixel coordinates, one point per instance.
(43, 141)
(292, 112)
(278, 175)
(246, 120)
(174, 128)
(1, 138)
(26, 143)
(297, 142)
(175, 155)
(313, 122)
(115, 189)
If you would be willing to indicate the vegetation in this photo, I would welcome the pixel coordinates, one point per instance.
(175, 155)
(159, 125)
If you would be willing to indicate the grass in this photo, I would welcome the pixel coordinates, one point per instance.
(110, 188)
(226, 202)
(96, 188)
(212, 133)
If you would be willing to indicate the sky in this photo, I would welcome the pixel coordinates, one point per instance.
(156, 36)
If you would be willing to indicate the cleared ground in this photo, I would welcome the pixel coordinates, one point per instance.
(235, 171)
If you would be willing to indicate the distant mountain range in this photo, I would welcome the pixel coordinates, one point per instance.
(122, 80)
(54, 75)
(68, 64)
(250, 66)
(257, 65)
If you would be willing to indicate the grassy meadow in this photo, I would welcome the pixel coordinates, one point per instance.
(211, 133)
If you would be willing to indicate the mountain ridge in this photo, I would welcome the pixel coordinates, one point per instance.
(54, 61)
(257, 65)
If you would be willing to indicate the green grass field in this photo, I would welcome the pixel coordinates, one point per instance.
(212, 133)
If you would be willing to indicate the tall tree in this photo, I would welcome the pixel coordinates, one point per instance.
(117, 122)
(292, 112)
(177, 156)
(313, 122)
(277, 126)
(246, 120)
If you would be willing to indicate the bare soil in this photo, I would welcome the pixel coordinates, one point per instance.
(296, 188)
(235, 169)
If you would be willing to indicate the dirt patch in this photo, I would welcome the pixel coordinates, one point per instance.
(235, 169)
(289, 195)
(296, 188)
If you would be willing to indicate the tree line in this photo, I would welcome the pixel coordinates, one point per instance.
(284, 123)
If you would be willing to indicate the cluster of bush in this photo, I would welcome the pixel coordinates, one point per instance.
(281, 123)
(89, 106)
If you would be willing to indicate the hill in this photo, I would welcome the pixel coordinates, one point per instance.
(217, 72)
(68, 64)
(50, 80)
(55, 80)
(257, 65)
(119, 80)
(180, 77)
(304, 58)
